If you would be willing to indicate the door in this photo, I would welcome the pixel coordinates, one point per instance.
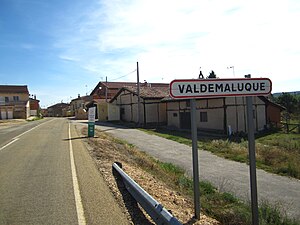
(3, 115)
(185, 120)
(9, 114)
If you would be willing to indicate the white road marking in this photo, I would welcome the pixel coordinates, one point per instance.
(9, 143)
(78, 201)
(18, 136)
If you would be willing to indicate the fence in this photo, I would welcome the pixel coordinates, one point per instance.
(289, 127)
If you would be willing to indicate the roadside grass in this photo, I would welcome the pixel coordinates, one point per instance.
(34, 118)
(222, 206)
(277, 153)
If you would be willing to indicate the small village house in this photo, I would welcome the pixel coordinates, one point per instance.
(152, 109)
(273, 113)
(102, 94)
(78, 106)
(14, 102)
(58, 110)
(44, 112)
(224, 114)
(105, 91)
(34, 106)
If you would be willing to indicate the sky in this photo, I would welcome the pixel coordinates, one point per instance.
(64, 48)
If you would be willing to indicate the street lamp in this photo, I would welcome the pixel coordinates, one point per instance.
(232, 67)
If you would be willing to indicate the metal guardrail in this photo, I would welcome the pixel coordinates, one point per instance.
(157, 212)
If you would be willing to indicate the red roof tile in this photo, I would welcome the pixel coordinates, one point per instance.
(119, 85)
(14, 89)
(151, 92)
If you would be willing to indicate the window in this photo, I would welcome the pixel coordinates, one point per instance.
(174, 114)
(16, 98)
(6, 99)
(203, 116)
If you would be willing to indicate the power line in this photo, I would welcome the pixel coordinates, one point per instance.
(123, 75)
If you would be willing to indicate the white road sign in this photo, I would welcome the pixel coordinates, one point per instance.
(202, 88)
(92, 114)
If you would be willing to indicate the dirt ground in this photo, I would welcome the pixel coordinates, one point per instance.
(105, 152)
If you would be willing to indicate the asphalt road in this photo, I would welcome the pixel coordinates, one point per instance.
(225, 174)
(38, 184)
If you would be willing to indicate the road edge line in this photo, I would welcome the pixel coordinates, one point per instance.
(78, 200)
(9, 143)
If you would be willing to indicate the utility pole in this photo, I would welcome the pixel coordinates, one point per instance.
(138, 94)
(106, 89)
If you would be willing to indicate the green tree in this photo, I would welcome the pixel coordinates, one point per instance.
(298, 103)
(289, 101)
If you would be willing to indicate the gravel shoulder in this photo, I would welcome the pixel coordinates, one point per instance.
(100, 206)
(104, 151)
(226, 175)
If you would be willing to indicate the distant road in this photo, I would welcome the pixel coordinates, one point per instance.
(38, 180)
(9, 130)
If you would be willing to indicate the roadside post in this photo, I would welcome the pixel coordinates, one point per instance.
(252, 159)
(195, 159)
(205, 88)
(91, 121)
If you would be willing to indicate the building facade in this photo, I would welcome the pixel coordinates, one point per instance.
(14, 102)
(224, 115)
(34, 106)
(78, 106)
(152, 109)
(105, 91)
(58, 110)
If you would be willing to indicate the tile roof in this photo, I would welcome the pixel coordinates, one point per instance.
(146, 92)
(59, 105)
(14, 89)
(119, 85)
(84, 98)
(150, 92)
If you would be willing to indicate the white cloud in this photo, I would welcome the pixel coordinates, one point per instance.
(68, 58)
(172, 39)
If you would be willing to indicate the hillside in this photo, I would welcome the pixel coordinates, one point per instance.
(291, 92)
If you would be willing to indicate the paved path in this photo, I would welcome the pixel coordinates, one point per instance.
(227, 175)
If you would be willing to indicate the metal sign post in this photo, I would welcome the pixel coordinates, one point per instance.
(206, 88)
(91, 121)
(195, 159)
(252, 161)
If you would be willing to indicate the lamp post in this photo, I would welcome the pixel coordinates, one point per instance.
(232, 67)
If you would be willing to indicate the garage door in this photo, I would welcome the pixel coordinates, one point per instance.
(9, 114)
(3, 115)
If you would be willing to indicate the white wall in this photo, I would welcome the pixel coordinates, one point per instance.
(235, 113)
(33, 112)
(113, 112)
